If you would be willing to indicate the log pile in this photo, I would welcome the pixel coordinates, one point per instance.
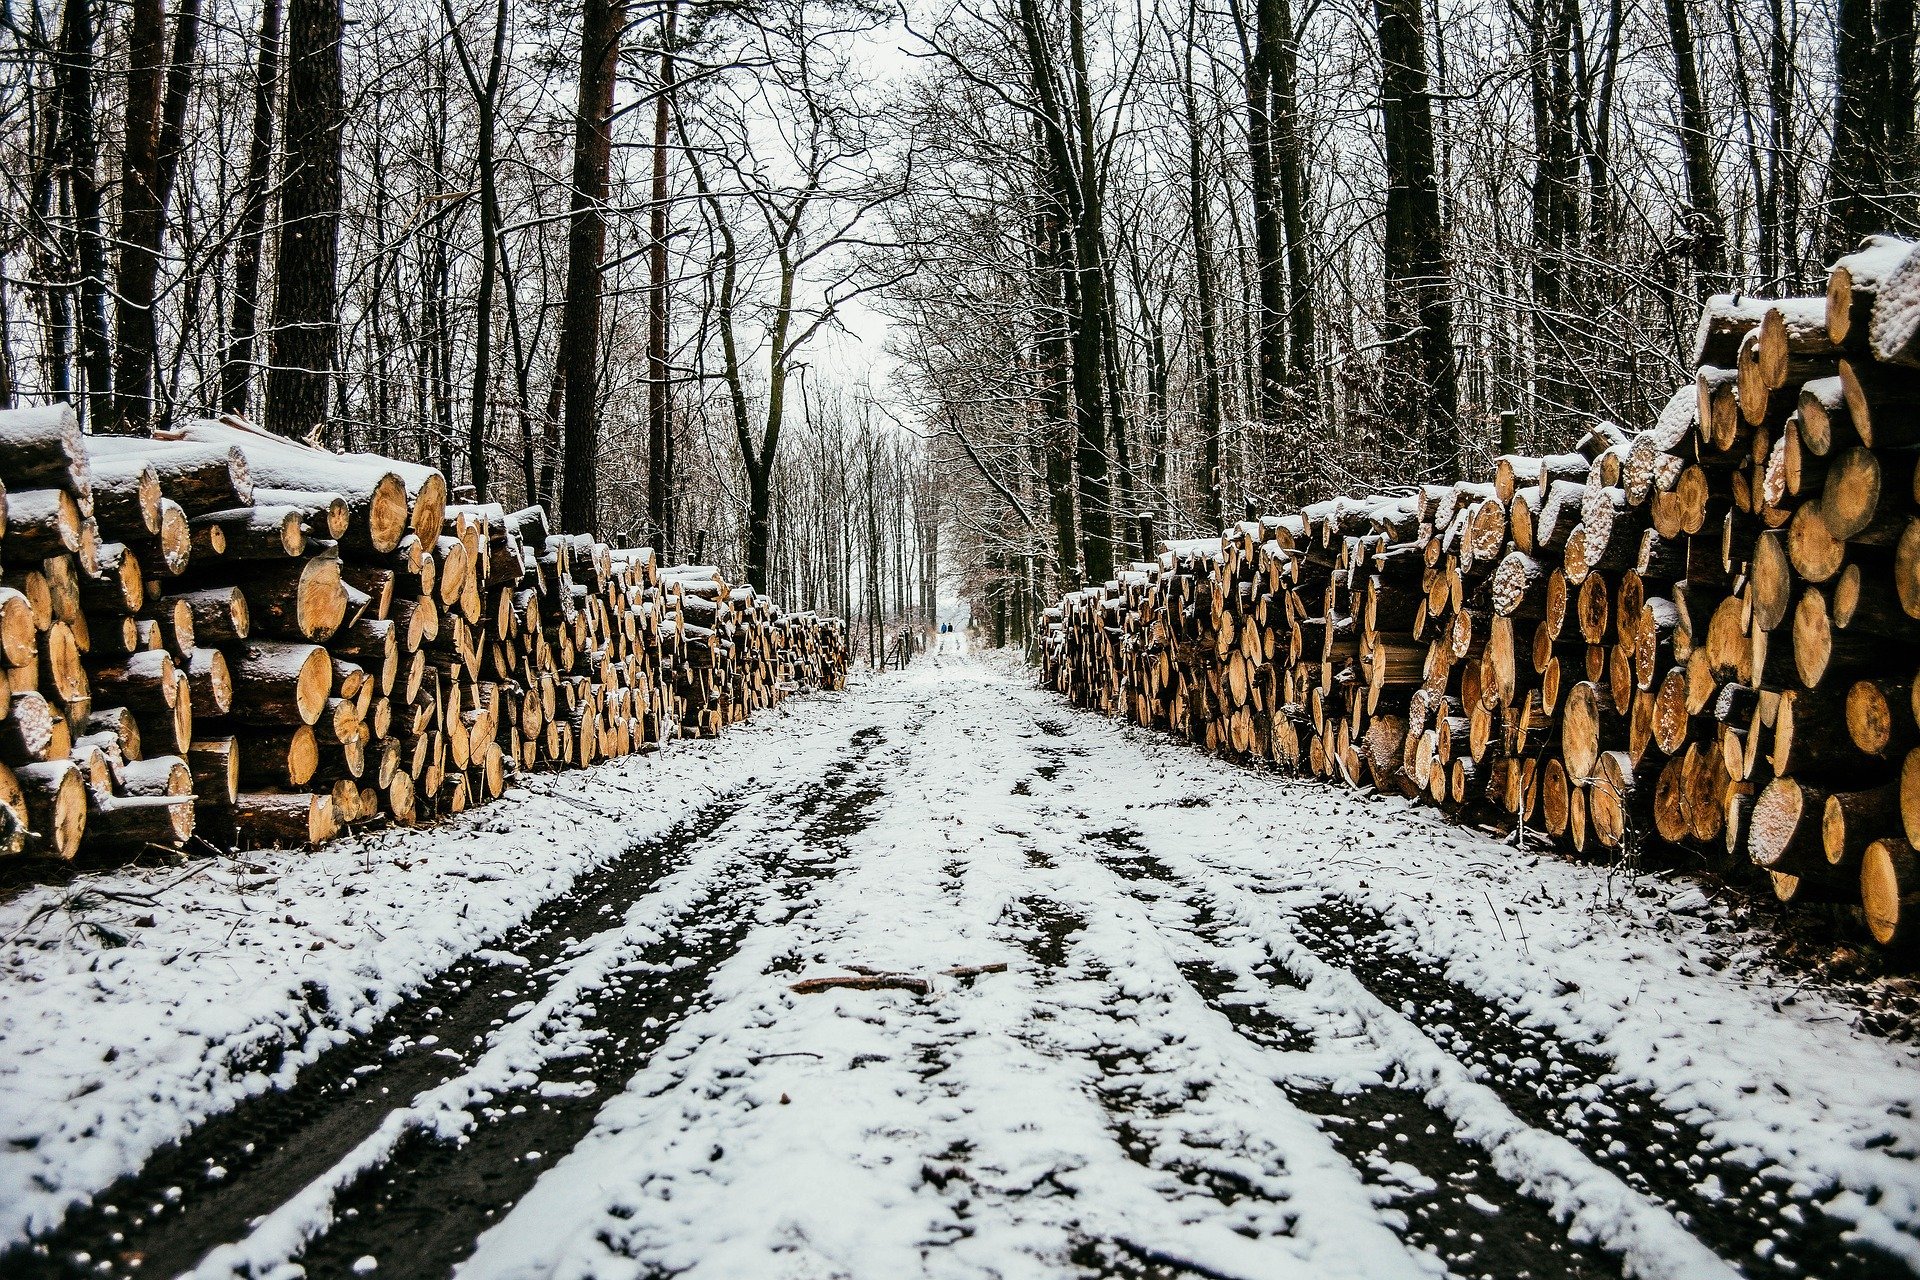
(223, 634)
(1694, 639)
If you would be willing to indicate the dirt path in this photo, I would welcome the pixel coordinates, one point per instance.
(1244, 1028)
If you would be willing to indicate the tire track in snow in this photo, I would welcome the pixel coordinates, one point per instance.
(518, 1054)
(422, 1211)
(1449, 1199)
(1597, 1204)
(1215, 1142)
(1762, 1224)
(243, 1162)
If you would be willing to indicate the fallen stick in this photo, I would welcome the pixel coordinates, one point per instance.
(975, 970)
(863, 982)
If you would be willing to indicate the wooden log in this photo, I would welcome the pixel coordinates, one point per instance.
(41, 523)
(285, 818)
(1725, 320)
(1853, 820)
(279, 683)
(376, 489)
(1854, 281)
(126, 497)
(258, 533)
(42, 448)
(1890, 891)
(1785, 830)
(200, 478)
(1589, 725)
(135, 822)
(300, 599)
(1893, 330)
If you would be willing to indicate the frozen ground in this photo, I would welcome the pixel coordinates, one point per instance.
(1246, 1027)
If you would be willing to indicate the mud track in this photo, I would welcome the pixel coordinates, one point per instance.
(240, 1164)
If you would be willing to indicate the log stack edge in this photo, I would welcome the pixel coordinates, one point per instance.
(229, 636)
(1697, 637)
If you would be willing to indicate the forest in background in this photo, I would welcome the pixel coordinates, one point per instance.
(1146, 265)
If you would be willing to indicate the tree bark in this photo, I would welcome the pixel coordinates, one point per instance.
(1704, 230)
(659, 389)
(80, 157)
(139, 233)
(306, 304)
(602, 23)
(1418, 325)
(236, 362)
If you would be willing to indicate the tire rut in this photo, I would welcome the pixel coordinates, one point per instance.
(422, 1212)
(1754, 1221)
(1450, 1200)
(242, 1162)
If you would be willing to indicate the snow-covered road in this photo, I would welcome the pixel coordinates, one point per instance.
(1246, 1027)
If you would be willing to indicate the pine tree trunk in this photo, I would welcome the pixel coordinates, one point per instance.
(80, 154)
(236, 362)
(306, 305)
(139, 233)
(586, 245)
(1419, 320)
(659, 389)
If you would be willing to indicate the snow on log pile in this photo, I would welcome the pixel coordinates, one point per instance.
(1700, 637)
(231, 635)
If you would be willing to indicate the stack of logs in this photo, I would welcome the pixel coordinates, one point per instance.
(1695, 638)
(233, 636)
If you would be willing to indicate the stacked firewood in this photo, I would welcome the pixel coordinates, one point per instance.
(228, 634)
(1694, 637)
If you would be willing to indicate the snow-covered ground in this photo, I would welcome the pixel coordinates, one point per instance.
(1247, 1026)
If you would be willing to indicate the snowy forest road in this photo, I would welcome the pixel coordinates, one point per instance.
(1246, 1027)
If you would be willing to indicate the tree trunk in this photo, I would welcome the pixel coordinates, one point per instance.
(1258, 48)
(1289, 166)
(1419, 320)
(1199, 215)
(1050, 262)
(586, 244)
(236, 362)
(80, 157)
(1704, 231)
(659, 389)
(305, 305)
(139, 233)
(1069, 172)
(486, 96)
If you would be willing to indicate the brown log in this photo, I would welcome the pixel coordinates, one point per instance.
(167, 554)
(1725, 319)
(1855, 819)
(279, 683)
(1785, 830)
(1589, 725)
(41, 523)
(126, 497)
(1890, 891)
(258, 533)
(1812, 549)
(42, 448)
(1893, 332)
(220, 614)
(56, 801)
(1853, 282)
(296, 599)
(1810, 739)
(215, 763)
(1879, 717)
(200, 478)
(285, 818)
(1822, 654)
(134, 822)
